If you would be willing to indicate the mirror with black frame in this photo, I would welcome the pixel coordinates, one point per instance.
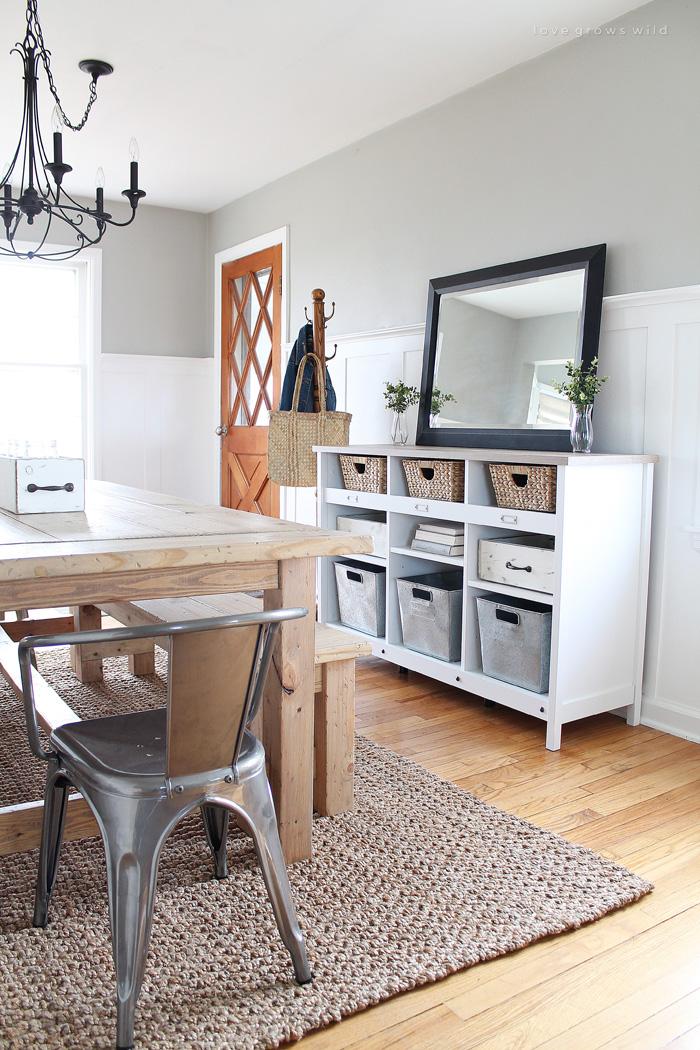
(497, 339)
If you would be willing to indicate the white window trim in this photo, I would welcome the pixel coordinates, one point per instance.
(90, 301)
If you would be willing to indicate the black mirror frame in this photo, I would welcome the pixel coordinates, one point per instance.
(592, 260)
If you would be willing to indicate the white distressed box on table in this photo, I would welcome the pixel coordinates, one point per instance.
(39, 486)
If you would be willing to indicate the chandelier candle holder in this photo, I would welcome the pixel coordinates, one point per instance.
(32, 185)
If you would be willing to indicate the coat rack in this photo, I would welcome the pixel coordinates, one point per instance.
(319, 325)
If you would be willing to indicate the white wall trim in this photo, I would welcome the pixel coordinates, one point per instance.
(94, 378)
(156, 363)
(670, 717)
(661, 295)
(378, 333)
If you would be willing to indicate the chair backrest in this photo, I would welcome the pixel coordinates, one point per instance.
(216, 673)
(211, 682)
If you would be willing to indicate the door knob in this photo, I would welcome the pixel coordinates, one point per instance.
(222, 431)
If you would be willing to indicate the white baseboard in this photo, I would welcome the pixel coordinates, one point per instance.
(670, 717)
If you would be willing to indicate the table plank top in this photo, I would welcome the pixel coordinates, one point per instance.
(124, 529)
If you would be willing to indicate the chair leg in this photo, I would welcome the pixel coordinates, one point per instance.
(55, 798)
(216, 820)
(260, 816)
(133, 832)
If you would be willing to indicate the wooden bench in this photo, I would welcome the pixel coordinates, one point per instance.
(334, 684)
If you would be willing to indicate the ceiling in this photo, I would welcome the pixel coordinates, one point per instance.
(225, 96)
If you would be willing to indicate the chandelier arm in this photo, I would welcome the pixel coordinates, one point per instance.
(34, 29)
(40, 195)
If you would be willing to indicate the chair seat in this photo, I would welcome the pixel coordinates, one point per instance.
(130, 745)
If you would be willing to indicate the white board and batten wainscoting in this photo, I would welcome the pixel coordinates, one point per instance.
(156, 431)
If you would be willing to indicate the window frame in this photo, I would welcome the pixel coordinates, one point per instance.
(88, 268)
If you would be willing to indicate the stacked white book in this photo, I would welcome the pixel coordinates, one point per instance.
(440, 537)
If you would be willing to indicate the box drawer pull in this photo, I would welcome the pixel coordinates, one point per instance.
(68, 487)
(508, 617)
(518, 568)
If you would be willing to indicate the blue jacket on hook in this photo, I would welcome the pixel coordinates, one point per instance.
(304, 345)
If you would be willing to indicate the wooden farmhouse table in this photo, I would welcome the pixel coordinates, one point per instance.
(129, 545)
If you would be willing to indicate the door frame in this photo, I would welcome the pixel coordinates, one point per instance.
(239, 251)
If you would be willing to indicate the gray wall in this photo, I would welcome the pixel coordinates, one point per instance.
(598, 140)
(153, 285)
(153, 282)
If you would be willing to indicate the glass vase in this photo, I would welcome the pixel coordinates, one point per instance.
(399, 430)
(581, 428)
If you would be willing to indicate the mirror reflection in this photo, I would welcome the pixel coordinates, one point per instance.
(495, 341)
(518, 336)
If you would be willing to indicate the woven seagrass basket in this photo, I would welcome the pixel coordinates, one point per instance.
(521, 487)
(435, 479)
(364, 473)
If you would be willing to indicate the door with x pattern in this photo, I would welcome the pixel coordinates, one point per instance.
(251, 308)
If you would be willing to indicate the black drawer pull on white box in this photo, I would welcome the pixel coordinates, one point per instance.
(68, 487)
(507, 617)
(521, 568)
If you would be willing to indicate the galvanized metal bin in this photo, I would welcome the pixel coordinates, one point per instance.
(431, 613)
(516, 637)
(361, 596)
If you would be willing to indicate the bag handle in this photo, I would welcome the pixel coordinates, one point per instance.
(320, 382)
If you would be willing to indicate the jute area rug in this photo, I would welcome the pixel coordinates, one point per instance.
(422, 880)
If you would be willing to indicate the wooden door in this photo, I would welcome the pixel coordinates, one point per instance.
(251, 323)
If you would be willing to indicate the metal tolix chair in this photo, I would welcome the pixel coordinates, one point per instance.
(141, 772)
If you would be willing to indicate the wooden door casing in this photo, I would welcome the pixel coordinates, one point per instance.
(251, 323)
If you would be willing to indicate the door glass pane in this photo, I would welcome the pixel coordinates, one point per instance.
(252, 350)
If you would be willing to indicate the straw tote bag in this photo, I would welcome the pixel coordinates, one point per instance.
(292, 435)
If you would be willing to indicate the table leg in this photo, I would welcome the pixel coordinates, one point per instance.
(86, 618)
(334, 735)
(288, 709)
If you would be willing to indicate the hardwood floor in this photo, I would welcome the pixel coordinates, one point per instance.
(630, 981)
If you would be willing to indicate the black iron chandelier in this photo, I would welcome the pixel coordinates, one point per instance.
(32, 185)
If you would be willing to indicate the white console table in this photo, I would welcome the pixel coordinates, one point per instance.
(601, 529)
